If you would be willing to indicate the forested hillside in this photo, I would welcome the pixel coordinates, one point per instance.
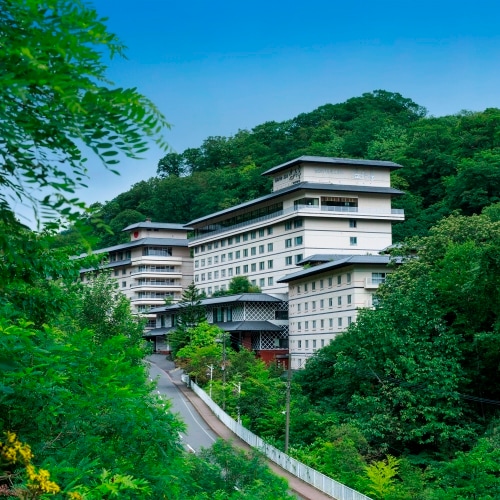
(450, 163)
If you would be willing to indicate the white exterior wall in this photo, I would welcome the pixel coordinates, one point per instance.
(315, 315)
(348, 175)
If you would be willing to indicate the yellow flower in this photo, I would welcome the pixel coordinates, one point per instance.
(41, 481)
(73, 495)
(13, 451)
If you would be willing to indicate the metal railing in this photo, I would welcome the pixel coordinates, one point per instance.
(311, 476)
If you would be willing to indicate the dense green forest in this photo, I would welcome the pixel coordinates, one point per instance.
(450, 163)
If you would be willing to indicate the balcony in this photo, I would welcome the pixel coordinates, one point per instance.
(394, 213)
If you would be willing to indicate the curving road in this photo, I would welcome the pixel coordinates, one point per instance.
(198, 433)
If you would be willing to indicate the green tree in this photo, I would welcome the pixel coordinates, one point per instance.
(56, 101)
(241, 284)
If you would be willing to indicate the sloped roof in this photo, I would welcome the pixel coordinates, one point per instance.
(332, 161)
(249, 326)
(155, 225)
(347, 260)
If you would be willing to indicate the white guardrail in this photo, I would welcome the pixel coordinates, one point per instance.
(321, 482)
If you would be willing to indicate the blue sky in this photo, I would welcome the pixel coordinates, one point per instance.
(213, 67)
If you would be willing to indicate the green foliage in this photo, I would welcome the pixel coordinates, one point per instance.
(381, 475)
(224, 472)
(55, 100)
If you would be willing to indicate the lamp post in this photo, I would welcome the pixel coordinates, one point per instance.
(223, 368)
(211, 367)
(238, 386)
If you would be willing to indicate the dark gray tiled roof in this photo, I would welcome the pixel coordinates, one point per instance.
(157, 332)
(316, 186)
(322, 257)
(165, 242)
(249, 326)
(327, 160)
(347, 260)
(225, 299)
(155, 225)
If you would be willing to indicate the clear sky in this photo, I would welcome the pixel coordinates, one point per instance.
(213, 67)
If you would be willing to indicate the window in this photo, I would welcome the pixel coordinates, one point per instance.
(216, 275)
(269, 230)
(261, 248)
(299, 343)
(222, 243)
(245, 236)
(299, 307)
(314, 324)
(245, 252)
(330, 281)
(306, 287)
(270, 281)
(209, 246)
(237, 254)
(339, 301)
(262, 266)
(349, 299)
(245, 269)
(223, 257)
(124, 272)
(253, 251)
(313, 285)
(202, 276)
(253, 282)
(253, 235)
(314, 305)
(209, 276)
(223, 273)
(202, 262)
(353, 240)
(330, 322)
(288, 243)
(306, 306)
(299, 326)
(237, 239)
(196, 278)
(216, 259)
(298, 240)
(348, 277)
(353, 223)
(339, 279)
(230, 241)
(196, 264)
(116, 272)
(261, 232)
(269, 247)
(269, 264)
(237, 270)
(321, 284)
(378, 278)
(230, 272)
(330, 302)
(216, 244)
(124, 284)
(230, 256)
(209, 261)
(306, 325)
(322, 324)
(349, 320)
(314, 344)
(209, 290)
(307, 344)
(288, 225)
(298, 258)
(288, 260)
(253, 267)
(297, 223)
(339, 322)
(262, 282)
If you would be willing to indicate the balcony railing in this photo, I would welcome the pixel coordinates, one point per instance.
(298, 208)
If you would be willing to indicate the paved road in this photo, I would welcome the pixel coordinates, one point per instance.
(198, 433)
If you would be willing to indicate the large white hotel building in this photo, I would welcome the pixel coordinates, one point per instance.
(318, 205)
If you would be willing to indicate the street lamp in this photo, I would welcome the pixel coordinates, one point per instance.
(211, 367)
(238, 386)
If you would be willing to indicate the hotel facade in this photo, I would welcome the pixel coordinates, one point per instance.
(318, 205)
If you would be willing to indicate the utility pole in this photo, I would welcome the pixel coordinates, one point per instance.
(287, 408)
(211, 367)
